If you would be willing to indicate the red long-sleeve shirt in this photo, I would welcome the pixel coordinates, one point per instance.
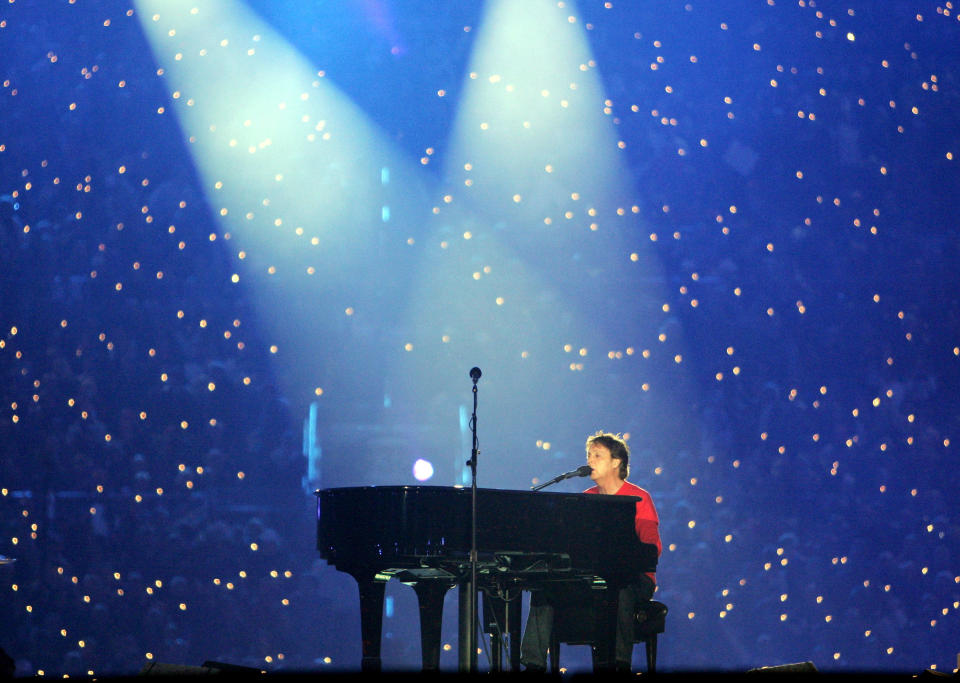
(646, 522)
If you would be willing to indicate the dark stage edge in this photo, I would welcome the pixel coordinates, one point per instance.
(281, 677)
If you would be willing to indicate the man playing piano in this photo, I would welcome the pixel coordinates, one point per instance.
(609, 459)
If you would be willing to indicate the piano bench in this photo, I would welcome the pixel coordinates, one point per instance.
(572, 629)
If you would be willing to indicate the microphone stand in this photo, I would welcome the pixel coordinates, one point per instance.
(468, 611)
(582, 471)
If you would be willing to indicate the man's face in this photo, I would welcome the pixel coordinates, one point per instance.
(604, 466)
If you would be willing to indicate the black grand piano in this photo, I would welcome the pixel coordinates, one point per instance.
(421, 535)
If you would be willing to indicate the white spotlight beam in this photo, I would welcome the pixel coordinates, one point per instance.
(541, 277)
(297, 174)
(531, 132)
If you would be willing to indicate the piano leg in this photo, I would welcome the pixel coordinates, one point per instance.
(430, 595)
(604, 651)
(466, 617)
(513, 609)
(371, 619)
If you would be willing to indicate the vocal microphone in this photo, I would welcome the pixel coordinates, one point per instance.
(475, 374)
(582, 471)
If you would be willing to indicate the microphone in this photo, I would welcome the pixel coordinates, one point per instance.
(582, 471)
(475, 374)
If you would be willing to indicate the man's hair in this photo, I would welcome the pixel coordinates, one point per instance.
(616, 445)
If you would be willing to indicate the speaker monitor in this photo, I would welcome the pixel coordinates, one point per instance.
(208, 667)
(165, 669)
(794, 668)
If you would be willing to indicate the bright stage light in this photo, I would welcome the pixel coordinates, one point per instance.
(422, 470)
